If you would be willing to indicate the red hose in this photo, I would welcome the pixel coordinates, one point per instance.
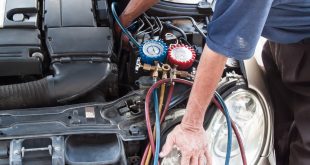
(189, 83)
(145, 154)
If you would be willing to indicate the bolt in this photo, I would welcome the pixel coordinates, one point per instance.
(38, 55)
(57, 148)
(16, 152)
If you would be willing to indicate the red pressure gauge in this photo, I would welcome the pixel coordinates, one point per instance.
(181, 55)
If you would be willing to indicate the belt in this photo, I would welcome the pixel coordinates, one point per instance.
(305, 41)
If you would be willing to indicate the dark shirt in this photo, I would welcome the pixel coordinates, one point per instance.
(237, 24)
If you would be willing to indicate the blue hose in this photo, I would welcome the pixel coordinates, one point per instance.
(157, 126)
(133, 40)
(229, 141)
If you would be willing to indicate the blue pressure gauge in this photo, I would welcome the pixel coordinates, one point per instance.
(153, 50)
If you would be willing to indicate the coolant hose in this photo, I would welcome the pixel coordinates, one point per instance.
(60, 87)
(34, 93)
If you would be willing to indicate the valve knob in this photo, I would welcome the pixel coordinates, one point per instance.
(182, 56)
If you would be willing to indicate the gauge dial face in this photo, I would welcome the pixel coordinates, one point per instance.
(153, 49)
(181, 54)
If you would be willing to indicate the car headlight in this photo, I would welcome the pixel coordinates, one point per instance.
(247, 111)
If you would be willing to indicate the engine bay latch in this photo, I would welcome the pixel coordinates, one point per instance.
(49, 148)
(44, 149)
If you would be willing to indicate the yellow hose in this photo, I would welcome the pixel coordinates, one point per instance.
(161, 98)
(161, 102)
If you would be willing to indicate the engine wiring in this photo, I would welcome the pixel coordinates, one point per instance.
(150, 25)
(160, 25)
(157, 22)
(155, 26)
(185, 17)
(219, 102)
(170, 26)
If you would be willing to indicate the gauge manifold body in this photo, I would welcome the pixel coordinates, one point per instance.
(182, 56)
(153, 50)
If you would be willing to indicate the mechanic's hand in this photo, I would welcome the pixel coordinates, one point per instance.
(191, 142)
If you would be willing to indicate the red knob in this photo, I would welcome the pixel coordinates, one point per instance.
(182, 56)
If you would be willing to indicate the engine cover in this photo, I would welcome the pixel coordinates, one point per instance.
(77, 30)
(72, 37)
(20, 42)
(72, 30)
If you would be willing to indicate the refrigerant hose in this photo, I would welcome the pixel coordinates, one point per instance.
(162, 118)
(218, 102)
(161, 100)
(133, 40)
(157, 126)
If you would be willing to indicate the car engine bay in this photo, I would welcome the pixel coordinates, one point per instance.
(73, 92)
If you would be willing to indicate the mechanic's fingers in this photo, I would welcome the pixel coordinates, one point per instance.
(125, 41)
(202, 159)
(194, 159)
(208, 157)
(125, 38)
(185, 159)
(167, 147)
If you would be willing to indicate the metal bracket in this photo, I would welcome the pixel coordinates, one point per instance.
(49, 148)
(56, 151)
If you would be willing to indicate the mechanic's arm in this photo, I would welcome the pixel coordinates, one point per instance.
(134, 9)
(190, 135)
(209, 72)
(211, 62)
(234, 31)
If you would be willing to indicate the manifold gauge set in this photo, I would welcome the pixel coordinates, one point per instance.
(179, 55)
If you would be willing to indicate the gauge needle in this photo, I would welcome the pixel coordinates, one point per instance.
(153, 49)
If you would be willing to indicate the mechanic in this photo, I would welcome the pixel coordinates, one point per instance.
(233, 32)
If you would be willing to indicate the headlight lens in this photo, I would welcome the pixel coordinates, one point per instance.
(247, 112)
